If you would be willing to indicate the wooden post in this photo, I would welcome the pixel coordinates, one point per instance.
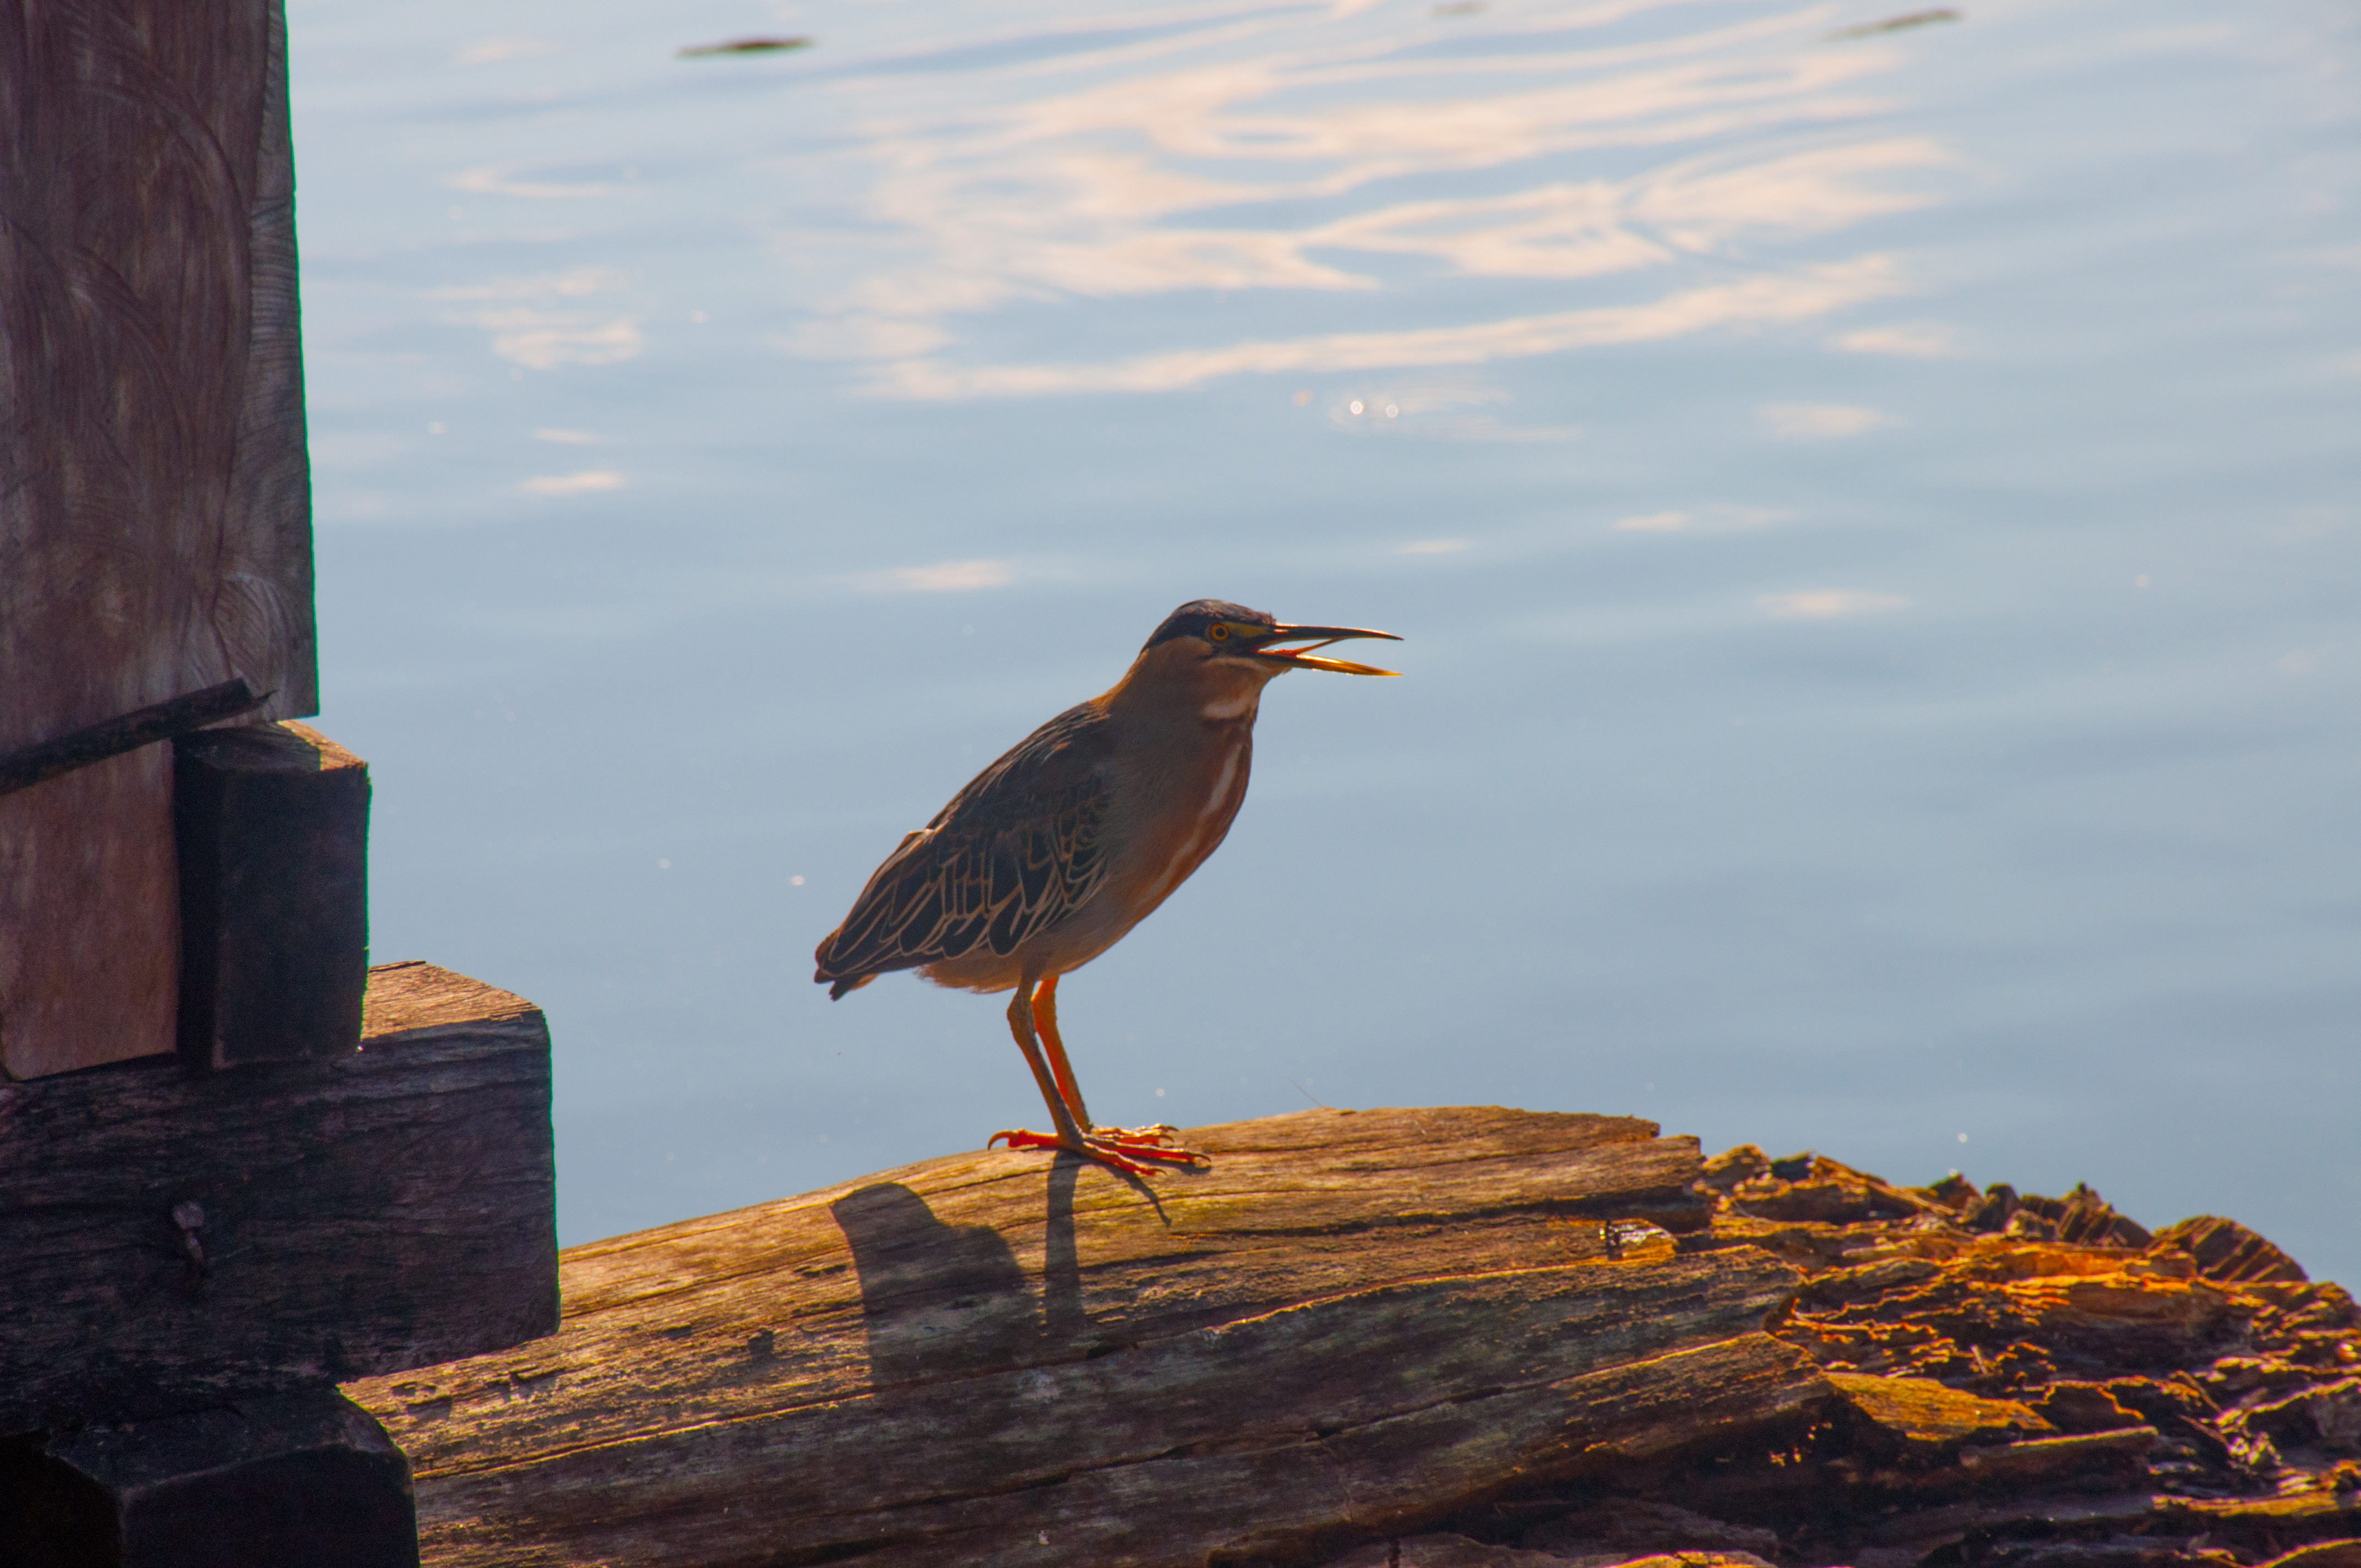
(189, 1258)
(155, 524)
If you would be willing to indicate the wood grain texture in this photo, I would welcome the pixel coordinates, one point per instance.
(90, 917)
(1350, 1323)
(176, 1241)
(1457, 1338)
(155, 533)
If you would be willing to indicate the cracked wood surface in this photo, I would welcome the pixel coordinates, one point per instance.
(1351, 1324)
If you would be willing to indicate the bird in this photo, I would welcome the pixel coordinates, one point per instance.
(1053, 853)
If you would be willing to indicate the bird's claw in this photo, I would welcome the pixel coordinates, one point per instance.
(1120, 1148)
(1151, 1143)
(1161, 1133)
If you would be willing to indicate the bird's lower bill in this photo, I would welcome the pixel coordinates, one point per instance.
(1318, 637)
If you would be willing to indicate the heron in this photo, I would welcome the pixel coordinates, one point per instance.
(1053, 853)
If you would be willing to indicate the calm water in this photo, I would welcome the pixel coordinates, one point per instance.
(1875, 516)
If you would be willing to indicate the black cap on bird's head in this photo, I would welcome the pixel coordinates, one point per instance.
(1233, 631)
(1192, 620)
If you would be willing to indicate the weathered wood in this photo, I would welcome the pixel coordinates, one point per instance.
(271, 824)
(2227, 1250)
(1464, 1339)
(174, 1240)
(1921, 1418)
(1350, 1322)
(302, 1480)
(155, 529)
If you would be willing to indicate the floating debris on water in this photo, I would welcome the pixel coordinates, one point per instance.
(743, 46)
(1899, 24)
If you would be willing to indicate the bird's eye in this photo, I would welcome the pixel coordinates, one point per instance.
(1218, 634)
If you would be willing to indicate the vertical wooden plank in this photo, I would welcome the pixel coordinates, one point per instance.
(154, 534)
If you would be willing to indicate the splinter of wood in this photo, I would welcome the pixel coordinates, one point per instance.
(30, 766)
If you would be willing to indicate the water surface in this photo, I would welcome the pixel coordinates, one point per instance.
(1873, 513)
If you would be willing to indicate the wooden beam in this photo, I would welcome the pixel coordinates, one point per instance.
(155, 521)
(271, 824)
(175, 1241)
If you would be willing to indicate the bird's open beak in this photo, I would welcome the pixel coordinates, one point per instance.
(1318, 637)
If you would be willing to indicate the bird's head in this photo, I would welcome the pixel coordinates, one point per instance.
(1221, 648)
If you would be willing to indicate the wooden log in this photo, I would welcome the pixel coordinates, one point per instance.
(290, 1481)
(1462, 1339)
(1350, 1324)
(173, 1240)
(155, 527)
(271, 824)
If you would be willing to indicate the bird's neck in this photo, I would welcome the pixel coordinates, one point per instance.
(1162, 689)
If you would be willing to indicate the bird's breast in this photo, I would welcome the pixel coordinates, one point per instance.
(1183, 815)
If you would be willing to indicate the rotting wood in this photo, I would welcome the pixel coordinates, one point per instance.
(1460, 1338)
(176, 1240)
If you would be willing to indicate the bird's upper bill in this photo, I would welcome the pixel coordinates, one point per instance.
(1260, 648)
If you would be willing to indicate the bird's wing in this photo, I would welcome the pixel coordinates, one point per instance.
(1015, 852)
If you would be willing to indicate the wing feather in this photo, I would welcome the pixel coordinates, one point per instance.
(1016, 853)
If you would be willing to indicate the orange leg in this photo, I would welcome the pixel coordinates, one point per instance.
(1149, 1143)
(1045, 1020)
(1033, 1019)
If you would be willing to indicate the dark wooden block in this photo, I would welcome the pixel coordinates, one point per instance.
(173, 1241)
(272, 826)
(296, 1481)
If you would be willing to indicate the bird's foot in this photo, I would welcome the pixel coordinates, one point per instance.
(1119, 1148)
(1151, 1143)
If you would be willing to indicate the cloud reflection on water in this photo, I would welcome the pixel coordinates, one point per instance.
(1918, 342)
(1816, 421)
(1359, 157)
(525, 334)
(943, 578)
(1809, 292)
(1830, 604)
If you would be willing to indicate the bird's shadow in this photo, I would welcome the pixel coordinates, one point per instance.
(940, 1300)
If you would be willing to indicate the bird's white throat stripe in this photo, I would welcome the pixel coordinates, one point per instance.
(1232, 707)
(1218, 800)
(1220, 796)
